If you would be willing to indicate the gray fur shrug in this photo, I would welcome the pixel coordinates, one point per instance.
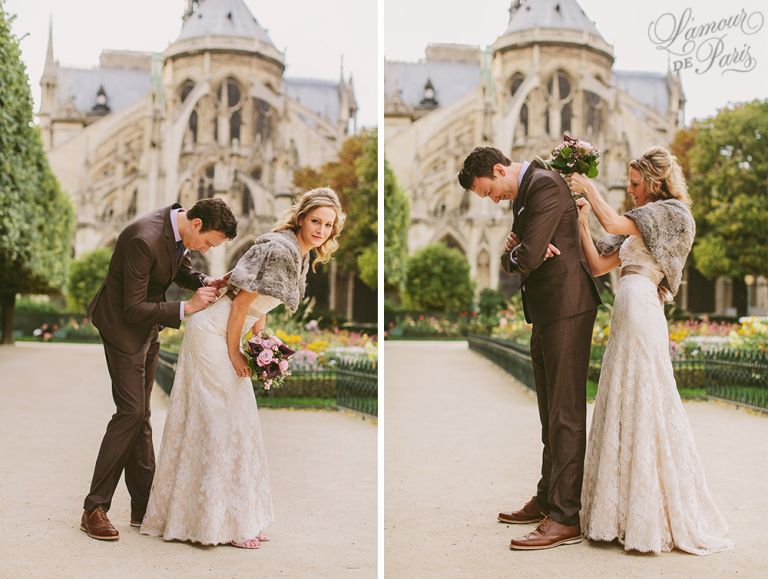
(667, 228)
(273, 266)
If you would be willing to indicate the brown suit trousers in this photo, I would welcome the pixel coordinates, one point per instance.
(127, 443)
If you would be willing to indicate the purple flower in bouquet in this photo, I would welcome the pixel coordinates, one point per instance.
(575, 156)
(264, 357)
(285, 350)
(273, 369)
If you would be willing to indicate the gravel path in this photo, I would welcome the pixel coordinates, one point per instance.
(55, 402)
(462, 443)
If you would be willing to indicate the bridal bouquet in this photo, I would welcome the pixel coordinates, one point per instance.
(575, 156)
(268, 358)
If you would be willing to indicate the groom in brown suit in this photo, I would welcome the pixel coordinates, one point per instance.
(129, 310)
(560, 299)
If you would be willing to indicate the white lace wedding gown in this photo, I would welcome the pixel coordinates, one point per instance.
(643, 480)
(211, 483)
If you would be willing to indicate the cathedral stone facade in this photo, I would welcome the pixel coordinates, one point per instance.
(549, 73)
(212, 115)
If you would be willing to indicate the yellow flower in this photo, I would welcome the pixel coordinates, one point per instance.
(290, 339)
(318, 346)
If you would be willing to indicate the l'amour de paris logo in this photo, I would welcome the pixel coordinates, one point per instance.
(708, 46)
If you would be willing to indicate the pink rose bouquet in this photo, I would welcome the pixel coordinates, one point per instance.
(268, 358)
(575, 156)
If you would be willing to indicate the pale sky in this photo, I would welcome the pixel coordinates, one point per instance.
(410, 25)
(315, 34)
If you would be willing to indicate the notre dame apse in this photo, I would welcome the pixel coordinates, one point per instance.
(212, 115)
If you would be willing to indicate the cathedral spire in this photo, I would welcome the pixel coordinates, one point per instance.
(49, 62)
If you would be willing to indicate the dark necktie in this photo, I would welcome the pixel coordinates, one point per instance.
(179, 250)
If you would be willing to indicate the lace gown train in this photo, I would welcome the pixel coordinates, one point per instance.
(211, 484)
(643, 482)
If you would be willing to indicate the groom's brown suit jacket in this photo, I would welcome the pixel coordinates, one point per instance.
(562, 286)
(131, 301)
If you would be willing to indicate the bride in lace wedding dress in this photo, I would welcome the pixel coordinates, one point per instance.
(211, 484)
(644, 483)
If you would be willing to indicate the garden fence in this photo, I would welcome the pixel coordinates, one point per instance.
(354, 384)
(733, 375)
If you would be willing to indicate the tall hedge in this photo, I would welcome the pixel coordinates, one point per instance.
(437, 279)
(36, 217)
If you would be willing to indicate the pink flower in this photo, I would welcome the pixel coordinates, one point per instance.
(264, 358)
(267, 385)
(283, 365)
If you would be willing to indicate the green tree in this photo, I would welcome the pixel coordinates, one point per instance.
(397, 219)
(354, 178)
(437, 280)
(36, 218)
(728, 183)
(85, 278)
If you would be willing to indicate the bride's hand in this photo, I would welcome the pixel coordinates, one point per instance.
(578, 183)
(584, 208)
(240, 364)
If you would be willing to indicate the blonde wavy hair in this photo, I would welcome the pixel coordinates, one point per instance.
(662, 175)
(308, 202)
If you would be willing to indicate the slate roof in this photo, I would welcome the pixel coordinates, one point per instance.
(320, 96)
(123, 86)
(647, 87)
(563, 14)
(222, 18)
(451, 80)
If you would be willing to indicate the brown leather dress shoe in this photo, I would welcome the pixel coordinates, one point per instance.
(547, 535)
(97, 526)
(532, 512)
(137, 517)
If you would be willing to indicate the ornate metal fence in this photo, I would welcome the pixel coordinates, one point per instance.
(514, 358)
(353, 384)
(733, 375)
(357, 386)
(737, 375)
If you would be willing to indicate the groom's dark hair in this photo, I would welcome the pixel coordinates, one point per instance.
(479, 163)
(216, 215)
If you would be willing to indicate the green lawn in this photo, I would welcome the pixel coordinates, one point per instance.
(685, 393)
(292, 402)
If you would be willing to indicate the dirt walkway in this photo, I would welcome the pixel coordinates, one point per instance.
(462, 442)
(55, 402)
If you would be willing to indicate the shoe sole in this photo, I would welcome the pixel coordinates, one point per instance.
(526, 522)
(573, 541)
(92, 536)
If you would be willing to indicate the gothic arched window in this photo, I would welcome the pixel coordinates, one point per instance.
(205, 183)
(186, 88)
(230, 109)
(517, 80)
(193, 126)
(263, 117)
(524, 119)
(247, 201)
(593, 112)
(559, 109)
(234, 126)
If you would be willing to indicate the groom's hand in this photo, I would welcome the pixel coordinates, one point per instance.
(203, 297)
(512, 242)
(552, 251)
(217, 282)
